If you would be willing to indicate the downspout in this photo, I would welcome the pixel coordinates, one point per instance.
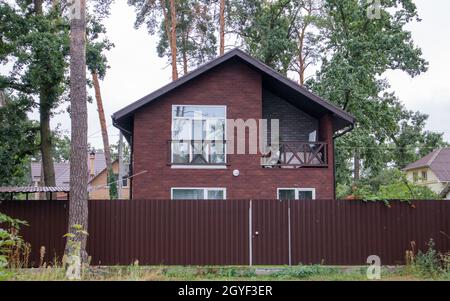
(348, 129)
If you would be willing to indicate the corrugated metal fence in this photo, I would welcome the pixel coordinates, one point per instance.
(239, 232)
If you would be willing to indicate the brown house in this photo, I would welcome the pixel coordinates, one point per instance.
(184, 146)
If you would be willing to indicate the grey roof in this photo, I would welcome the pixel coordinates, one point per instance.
(32, 189)
(438, 161)
(289, 89)
(62, 170)
(62, 173)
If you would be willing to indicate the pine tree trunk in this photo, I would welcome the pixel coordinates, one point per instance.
(170, 35)
(46, 142)
(301, 58)
(173, 38)
(222, 27)
(78, 203)
(185, 60)
(357, 167)
(101, 116)
(38, 6)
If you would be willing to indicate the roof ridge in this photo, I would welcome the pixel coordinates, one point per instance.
(256, 63)
(436, 153)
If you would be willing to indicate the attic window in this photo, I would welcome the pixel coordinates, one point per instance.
(424, 176)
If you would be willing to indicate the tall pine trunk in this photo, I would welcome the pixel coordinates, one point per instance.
(106, 148)
(171, 33)
(173, 38)
(222, 27)
(78, 203)
(301, 57)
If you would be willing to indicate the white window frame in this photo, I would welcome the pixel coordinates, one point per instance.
(297, 190)
(206, 166)
(205, 191)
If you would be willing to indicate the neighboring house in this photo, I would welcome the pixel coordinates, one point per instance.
(98, 188)
(181, 148)
(432, 171)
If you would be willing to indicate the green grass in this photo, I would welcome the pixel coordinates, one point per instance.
(164, 273)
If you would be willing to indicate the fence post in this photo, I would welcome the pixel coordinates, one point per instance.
(289, 233)
(250, 234)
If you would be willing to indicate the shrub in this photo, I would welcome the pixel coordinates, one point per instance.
(12, 245)
(431, 263)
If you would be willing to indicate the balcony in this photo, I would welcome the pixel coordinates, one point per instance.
(296, 154)
(291, 154)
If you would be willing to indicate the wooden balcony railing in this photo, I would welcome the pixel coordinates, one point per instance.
(295, 154)
(197, 152)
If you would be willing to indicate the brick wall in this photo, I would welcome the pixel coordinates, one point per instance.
(239, 88)
(295, 125)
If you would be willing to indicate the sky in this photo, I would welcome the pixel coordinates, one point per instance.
(136, 70)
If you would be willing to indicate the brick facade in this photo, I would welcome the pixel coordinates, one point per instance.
(239, 87)
(295, 125)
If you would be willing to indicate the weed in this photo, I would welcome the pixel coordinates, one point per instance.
(430, 264)
(304, 271)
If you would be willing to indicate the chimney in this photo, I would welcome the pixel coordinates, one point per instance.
(91, 163)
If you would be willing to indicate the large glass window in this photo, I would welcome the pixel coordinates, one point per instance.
(296, 194)
(198, 134)
(198, 194)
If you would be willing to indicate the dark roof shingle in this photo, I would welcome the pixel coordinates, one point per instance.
(438, 161)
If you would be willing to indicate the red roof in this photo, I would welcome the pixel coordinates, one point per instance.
(438, 161)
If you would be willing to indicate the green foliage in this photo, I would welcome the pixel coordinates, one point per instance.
(304, 271)
(9, 240)
(38, 46)
(112, 182)
(97, 45)
(196, 40)
(61, 147)
(267, 30)
(431, 263)
(18, 136)
(358, 52)
(390, 184)
(195, 31)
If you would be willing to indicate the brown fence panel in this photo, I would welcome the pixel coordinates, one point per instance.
(47, 224)
(158, 232)
(347, 232)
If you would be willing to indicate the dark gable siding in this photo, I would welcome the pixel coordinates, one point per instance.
(295, 125)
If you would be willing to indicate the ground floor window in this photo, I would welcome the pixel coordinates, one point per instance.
(296, 193)
(198, 194)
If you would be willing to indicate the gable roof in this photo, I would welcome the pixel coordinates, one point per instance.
(438, 161)
(283, 85)
(62, 170)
